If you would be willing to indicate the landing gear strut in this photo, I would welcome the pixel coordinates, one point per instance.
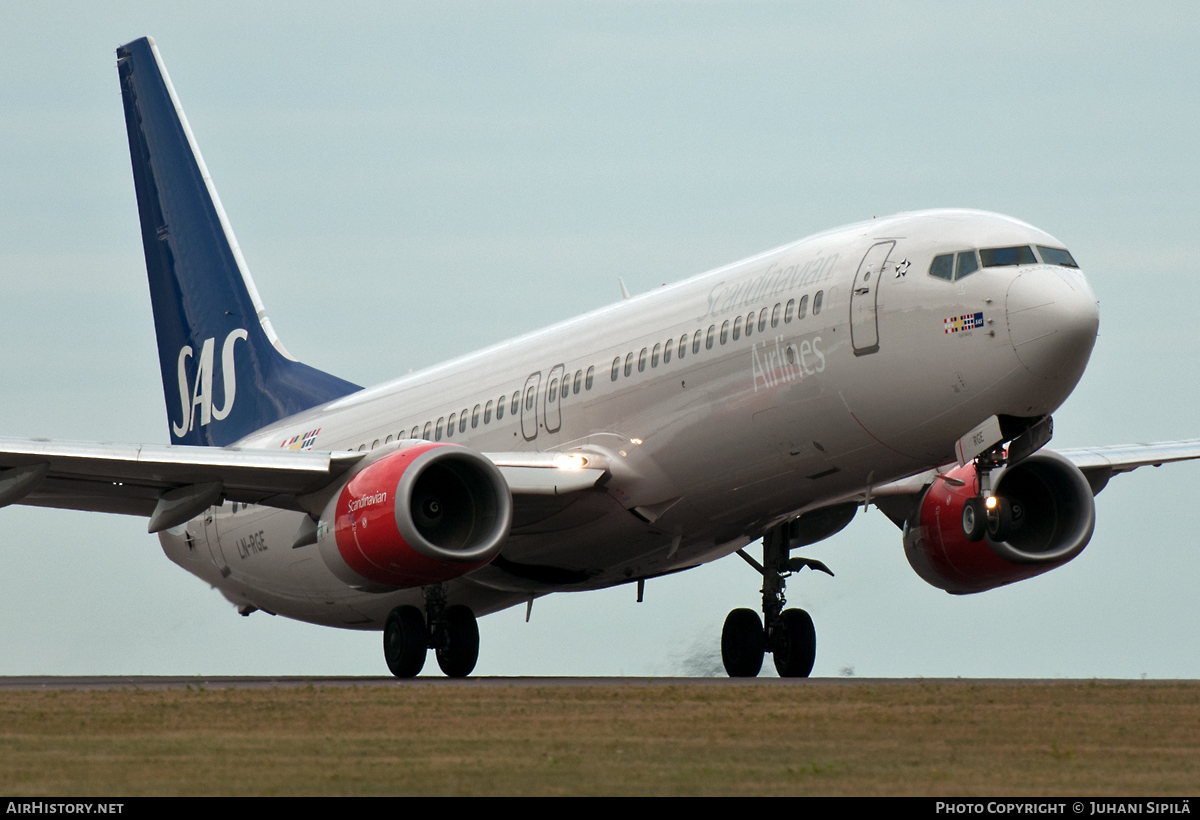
(788, 634)
(988, 514)
(452, 632)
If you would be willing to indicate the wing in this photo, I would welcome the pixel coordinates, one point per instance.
(1098, 464)
(172, 483)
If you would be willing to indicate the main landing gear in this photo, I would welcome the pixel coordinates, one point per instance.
(452, 633)
(788, 634)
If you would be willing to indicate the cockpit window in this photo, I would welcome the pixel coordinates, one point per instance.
(1057, 256)
(943, 267)
(1000, 257)
(966, 264)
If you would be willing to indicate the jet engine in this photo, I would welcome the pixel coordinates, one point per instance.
(1049, 515)
(420, 515)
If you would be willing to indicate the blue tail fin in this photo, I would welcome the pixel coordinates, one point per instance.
(213, 334)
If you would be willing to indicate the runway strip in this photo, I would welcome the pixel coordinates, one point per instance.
(117, 682)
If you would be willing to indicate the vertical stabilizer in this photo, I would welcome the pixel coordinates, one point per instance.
(225, 372)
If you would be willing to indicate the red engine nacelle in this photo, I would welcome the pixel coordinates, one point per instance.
(1058, 515)
(422, 514)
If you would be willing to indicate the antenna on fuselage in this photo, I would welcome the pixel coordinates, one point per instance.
(624, 290)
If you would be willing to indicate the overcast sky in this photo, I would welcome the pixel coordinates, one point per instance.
(411, 182)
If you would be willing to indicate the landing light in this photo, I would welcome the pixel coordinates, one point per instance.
(990, 502)
(569, 462)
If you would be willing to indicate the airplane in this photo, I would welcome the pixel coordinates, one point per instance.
(911, 363)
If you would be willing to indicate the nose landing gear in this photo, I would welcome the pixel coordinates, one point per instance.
(993, 515)
(788, 634)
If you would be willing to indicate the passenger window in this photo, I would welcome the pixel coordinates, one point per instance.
(475, 417)
(725, 331)
(450, 426)
(462, 419)
(628, 365)
(552, 393)
(775, 315)
(1057, 256)
(588, 383)
(530, 395)
(712, 334)
(737, 328)
(683, 342)
(388, 440)
(749, 323)
(1003, 257)
(487, 411)
(667, 350)
(803, 309)
(437, 430)
(416, 433)
(516, 403)
(654, 355)
(500, 409)
(642, 360)
(616, 368)
(374, 444)
(362, 447)
(966, 264)
(427, 433)
(566, 388)
(696, 342)
(942, 267)
(820, 297)
(762, 320)
(579, 381)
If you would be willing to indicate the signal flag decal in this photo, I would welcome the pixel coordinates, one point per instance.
(957, 324)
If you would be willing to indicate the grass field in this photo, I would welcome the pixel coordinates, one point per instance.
(835, 738)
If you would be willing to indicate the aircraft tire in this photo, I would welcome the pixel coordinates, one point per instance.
(1000, 527)
(798, 646)
(743, 644)
(974, 520)
(459, 657)
(405, 641)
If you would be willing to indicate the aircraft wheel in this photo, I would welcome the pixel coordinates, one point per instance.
(797, 646)
(458, 658)
(405, 641)
(743, 643)
(1000, 526)
(974, 520)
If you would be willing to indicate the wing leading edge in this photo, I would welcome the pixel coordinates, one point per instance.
(1101, 463)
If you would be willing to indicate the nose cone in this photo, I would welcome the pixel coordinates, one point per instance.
(1052, 322)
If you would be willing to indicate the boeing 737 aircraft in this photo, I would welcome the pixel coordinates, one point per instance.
(911, 363)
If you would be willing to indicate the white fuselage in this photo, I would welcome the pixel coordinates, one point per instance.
(714, 444)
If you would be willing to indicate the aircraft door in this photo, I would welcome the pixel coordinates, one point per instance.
(553, 409)
(864, 299)
(529, 406)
